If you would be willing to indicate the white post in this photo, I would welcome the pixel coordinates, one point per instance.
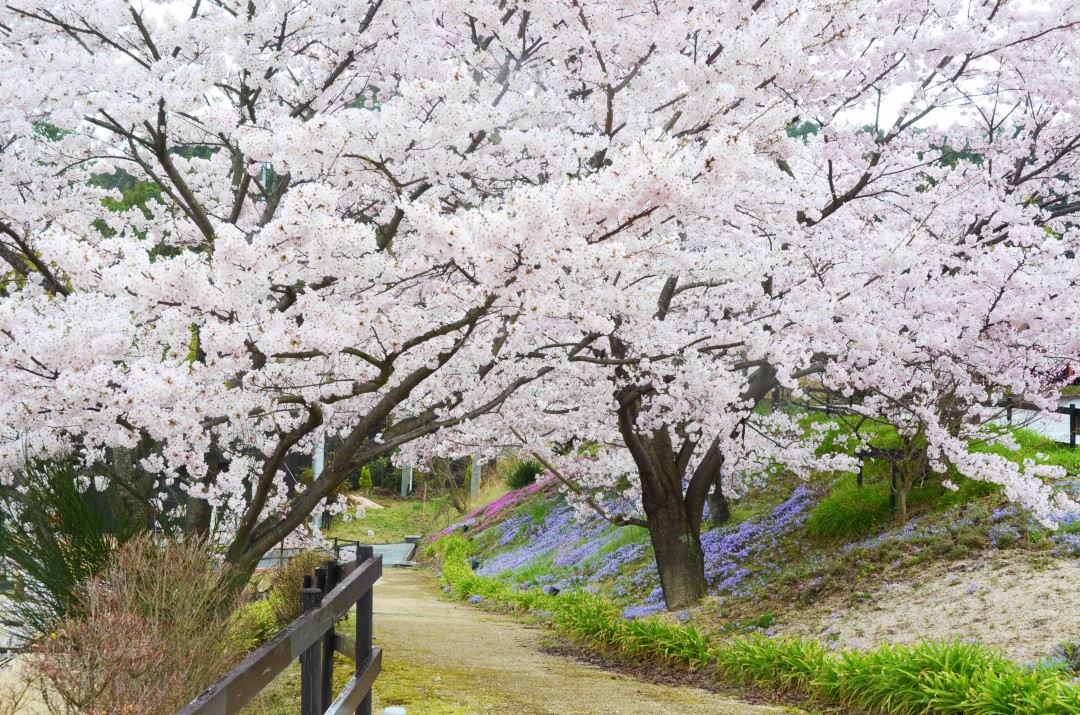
(318, 459)
(474, 487)
(406, 480)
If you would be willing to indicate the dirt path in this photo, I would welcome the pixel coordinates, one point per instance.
(446, 658)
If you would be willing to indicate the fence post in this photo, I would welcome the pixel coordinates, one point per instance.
(328, 640)
(1008, 414)
(1072, 426)
(364, 612)
(310, 686)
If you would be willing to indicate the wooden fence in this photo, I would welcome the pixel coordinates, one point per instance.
(1071, 410)
(312, 639)
(281, 556)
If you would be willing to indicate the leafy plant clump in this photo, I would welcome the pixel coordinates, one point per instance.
(850, 510)
(253, 624)
(152, 630)
(929, 677)
(523, 474)
(57, 531)
(287, 582)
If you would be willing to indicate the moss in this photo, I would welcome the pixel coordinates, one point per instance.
(442, 690)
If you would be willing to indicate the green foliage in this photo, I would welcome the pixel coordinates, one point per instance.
(287, 582)
(540, 510)
(364, 481)
(800, 129)
(850, 510)
(253, 624)
(523, 474)
(57, 535)
(381, 473)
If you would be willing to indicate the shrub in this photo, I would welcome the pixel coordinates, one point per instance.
(253, 624)
(57, 535)
(154, 634)
(364, 482)
(523, 474)
(287, 582)
(850, 510)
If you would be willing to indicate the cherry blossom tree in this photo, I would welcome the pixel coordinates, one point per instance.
(877, 203)
(291, 277)
(617, 225)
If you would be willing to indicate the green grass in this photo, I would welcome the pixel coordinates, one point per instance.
(929, 677)
(430, 689)
(1037, 448)
(391, 525)
(403, 517)
(850, 510)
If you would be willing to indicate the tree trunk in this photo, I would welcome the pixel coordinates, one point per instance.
(677, 546)
(719, 506)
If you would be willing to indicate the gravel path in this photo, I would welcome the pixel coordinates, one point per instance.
(461, 659)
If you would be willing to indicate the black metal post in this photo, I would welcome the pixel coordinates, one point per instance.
(1072, 425)
(328, 640)
(311, 702)
(364, 613)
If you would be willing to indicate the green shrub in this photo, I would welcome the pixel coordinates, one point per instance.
(850, 510)
(253, 624)
(287, 582)
(364, 482)
(523, 474)
(56, 535)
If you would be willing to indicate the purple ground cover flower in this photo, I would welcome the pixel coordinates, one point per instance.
(634, 612)
(1067, 544)
(736, 557)
(1005, 512)
(734, 554)
(1004, 535)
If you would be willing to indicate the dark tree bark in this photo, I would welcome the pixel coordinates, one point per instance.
(676, 542)
(719, 506)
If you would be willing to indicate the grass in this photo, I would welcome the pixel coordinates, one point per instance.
(431, 689)
(850, 510)
(403, 517)
(935, 678)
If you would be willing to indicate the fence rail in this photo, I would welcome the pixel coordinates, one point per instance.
(281, 555)
(311, 638)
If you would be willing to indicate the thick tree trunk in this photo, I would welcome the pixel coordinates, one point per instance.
(677, 546)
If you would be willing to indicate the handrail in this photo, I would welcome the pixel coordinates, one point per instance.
(312, 639)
